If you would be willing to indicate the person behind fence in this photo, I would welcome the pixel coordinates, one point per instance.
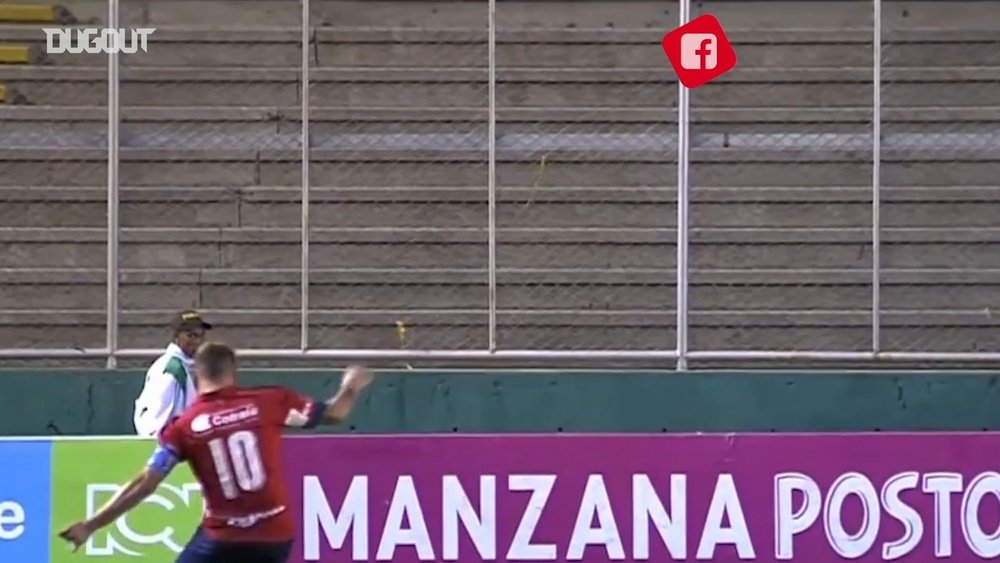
(231, 438)
(169, 387)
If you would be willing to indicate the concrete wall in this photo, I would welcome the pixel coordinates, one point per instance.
(98, 402)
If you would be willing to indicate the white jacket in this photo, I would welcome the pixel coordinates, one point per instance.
(168, 390)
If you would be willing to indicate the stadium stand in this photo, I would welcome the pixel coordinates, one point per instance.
(34, 14)
(781, 167)
(20, 53)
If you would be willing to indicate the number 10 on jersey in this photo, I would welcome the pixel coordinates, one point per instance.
(238, 463)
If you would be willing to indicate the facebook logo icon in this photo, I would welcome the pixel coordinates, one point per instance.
(699, 51)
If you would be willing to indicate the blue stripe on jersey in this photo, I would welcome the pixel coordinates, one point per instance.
(315, 414)
(163, 460)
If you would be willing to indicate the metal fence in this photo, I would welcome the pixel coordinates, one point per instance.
(818, 205)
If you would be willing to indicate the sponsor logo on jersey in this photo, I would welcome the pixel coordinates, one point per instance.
(201, 423)
(252, 519)
(206, 422)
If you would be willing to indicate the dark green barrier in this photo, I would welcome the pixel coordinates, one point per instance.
(101, 402)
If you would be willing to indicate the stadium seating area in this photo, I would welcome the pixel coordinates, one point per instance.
(781, 168)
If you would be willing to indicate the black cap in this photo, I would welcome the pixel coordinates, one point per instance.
(187, 320)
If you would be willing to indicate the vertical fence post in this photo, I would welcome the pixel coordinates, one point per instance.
(492, 173)
(876, 175)
(304, 266)
(683, 155)
(114, 107)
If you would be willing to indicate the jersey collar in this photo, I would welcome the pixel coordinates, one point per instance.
(175, 350)
(219, 392)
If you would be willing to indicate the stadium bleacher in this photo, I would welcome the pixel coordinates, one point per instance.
(781, 207)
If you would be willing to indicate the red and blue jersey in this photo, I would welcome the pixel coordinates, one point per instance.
(232, 440)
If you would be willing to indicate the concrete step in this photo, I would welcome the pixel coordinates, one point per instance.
(534, 14)
(271, 127)
(525, 195)
(419, 135)
(15, 54)
(536, 290)
(849, 330)
(34, 13)
(516, 207)
(896, 15)
(710, 168)
(347, 276)
(366, 13)
(552, 48)
(469, 141)
(639, 87)
(773, 248)
(359, 116)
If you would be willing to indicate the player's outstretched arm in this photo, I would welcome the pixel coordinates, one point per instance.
(339, 407)
(131, 495)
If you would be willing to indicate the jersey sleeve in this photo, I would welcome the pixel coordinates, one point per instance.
(169, 450)
(294, 410)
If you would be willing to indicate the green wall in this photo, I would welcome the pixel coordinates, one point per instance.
(64, 402)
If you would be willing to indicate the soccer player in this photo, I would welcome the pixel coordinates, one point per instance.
(231, 437)
(170, 387)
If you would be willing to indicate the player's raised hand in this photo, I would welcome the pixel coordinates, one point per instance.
(339, 407)
(356, 378)
(77, 534)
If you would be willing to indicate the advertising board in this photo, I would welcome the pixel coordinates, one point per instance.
(25, 500)
(862, 497)
(746, 497)
(86, 474)
(46, 484)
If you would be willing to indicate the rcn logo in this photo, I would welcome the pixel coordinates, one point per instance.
(150, 526)
(699, 51)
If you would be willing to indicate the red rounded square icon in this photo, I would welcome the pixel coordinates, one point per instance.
(699, 51)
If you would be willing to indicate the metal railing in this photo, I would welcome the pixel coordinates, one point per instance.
(689, 173)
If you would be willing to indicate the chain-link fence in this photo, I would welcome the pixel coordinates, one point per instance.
(398, 172)
(210, 167)
(940, 151)
(475, 181)
(54, 231)
(781, 186)
(586, 179)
